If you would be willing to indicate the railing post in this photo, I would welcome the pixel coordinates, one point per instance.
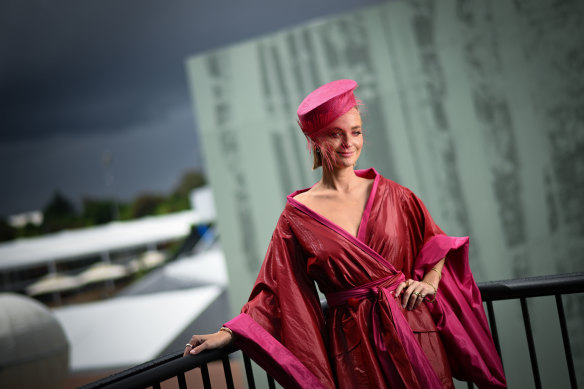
(271, 383)
(530, 343)
(227, 371)
(182, 382)
(248, 372)
(205, 376)
(493, 325)
(566, 340)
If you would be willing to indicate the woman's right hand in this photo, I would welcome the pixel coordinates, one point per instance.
(203, 342)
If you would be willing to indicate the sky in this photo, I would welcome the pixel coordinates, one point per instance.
(84, 79)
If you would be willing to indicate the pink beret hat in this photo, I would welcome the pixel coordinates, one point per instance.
(325, 104)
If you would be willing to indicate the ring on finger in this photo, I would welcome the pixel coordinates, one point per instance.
(189, 345)
(416, 293)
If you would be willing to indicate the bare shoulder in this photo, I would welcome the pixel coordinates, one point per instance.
(306, 197)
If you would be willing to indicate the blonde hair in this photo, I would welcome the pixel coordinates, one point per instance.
(316, 157)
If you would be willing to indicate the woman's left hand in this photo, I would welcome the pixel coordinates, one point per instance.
(414, 293)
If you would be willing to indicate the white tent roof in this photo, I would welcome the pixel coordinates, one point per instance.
(128, 331)
(96, 240)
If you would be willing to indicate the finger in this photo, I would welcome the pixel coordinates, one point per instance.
(187, 350)
(412, 301)
(399, 288)
(194, 341)
(198, 339)
(199, 348)
(414, 297)
(407, 294)
(420, 299)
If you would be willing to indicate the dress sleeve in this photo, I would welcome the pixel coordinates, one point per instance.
(282, 327)
(421, 227)
(459, 314)
(458, 310)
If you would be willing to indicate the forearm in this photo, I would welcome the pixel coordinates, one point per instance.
(434, 275)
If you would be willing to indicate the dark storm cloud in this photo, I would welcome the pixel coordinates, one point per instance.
(80, 77)
(88, 69)
(86, 66)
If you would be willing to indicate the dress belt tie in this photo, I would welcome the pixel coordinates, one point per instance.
(421, 374)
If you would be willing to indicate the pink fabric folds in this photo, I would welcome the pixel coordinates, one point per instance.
(270, 354)
(382, 289)
(459, 314)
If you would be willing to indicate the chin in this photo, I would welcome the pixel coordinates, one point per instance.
(346, 163)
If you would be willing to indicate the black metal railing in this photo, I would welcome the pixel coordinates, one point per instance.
(525, 288)
(153, 373)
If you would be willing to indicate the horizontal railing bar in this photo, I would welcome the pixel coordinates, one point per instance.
(143, 375)
(532, 287)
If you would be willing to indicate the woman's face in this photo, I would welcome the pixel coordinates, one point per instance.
(343, 140)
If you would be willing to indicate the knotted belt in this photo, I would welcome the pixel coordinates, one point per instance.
(405, 365)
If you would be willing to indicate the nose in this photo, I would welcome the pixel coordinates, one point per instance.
(345, 142)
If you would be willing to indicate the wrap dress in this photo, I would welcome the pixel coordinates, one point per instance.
(365, 338)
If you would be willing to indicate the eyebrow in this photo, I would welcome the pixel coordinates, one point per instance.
(340, 129)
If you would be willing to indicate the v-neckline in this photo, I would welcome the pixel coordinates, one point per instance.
(364, 216)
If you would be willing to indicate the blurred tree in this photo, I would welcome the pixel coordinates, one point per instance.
(59, 214)
(146, 204)
(126, 211)
(7, 232)
(60, 207)
(173, 203)
(190, 180)
(96, 211)
(29, 230)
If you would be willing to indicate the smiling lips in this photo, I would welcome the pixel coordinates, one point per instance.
(345, 154)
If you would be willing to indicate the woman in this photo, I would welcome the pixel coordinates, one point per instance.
(373, 249)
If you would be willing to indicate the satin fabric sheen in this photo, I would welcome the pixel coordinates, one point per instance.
(367, 339)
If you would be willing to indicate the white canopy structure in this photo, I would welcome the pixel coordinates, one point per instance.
(68, 245)
(128, 330)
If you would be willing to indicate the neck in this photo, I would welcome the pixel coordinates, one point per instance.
(339, 179)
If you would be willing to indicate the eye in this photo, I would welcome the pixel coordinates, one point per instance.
(356, 132)
(335, 134)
